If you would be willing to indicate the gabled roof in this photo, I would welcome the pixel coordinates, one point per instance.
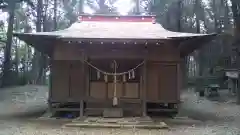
(118, 27)
(109, 28)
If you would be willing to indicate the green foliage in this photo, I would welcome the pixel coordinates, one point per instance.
(5, 4)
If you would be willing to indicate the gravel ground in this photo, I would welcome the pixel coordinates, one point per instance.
(19, 103)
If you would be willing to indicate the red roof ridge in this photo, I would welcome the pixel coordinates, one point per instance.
(117, 18)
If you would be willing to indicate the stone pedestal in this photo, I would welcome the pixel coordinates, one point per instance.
(113, 113)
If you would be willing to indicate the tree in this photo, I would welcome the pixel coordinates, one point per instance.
(10, 6)
(7, 52)
(36, 69)
(236, 17)
(55, 14)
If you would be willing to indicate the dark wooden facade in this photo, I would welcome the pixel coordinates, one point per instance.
(157, 80)
(155, 87)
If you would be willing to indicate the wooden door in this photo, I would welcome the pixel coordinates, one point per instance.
(167, 90)
(162, 82)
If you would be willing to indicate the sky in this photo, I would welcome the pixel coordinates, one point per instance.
(3, 16)
(122, 6)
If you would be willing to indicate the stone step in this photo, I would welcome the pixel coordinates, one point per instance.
(160, 125)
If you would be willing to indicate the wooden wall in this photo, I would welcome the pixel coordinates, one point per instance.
(163, 74)
(166, 52)
(104, 90)
(68, 81)
(67, 52)
(60, 80)
(69, 78)
(163, 53)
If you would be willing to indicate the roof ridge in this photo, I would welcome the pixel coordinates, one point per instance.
(118, 18)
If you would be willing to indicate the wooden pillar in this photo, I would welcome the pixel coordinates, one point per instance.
(179, 80)
(87, 79)
(84, 77)
(144, 93)
(50, 86)
(81, 108)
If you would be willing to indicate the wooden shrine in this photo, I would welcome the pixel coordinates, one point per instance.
(127, 62)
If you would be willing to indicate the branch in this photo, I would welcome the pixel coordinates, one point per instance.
(29, 2)
(3, 6)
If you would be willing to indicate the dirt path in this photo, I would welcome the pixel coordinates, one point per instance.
(206, 110)
(18, 103)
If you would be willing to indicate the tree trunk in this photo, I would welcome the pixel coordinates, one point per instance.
(179, 29)
(236, 17)
(137, 7)
(7, 54)
(55, 15)
(227, 22)
(16, 49)
(36, 58)
(179, 20)
(198, 12)
(102, 6)
(27, 55)
(81, 2)
(43, 59)
(16, 58)
(216, 21)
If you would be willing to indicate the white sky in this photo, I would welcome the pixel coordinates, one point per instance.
(3, 16)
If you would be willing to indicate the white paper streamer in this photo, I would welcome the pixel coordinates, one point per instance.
(106, 78)
(124, 78)
(98, 75)
(133, 74)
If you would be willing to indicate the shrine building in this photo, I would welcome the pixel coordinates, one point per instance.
(128, 63)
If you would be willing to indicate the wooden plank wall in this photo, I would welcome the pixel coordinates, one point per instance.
(67, 52)
(77, 81)
(163, 53)
(67, 81)
(60, 80)
(162, 79)
(99, 89)
(162, 82)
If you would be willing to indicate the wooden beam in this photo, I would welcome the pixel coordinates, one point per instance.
(115, 54)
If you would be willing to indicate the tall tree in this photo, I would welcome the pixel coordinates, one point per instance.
(236, 17)
(7, 52)
(137, 6)
(36, 71)
(55, 14)
(10, 5)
